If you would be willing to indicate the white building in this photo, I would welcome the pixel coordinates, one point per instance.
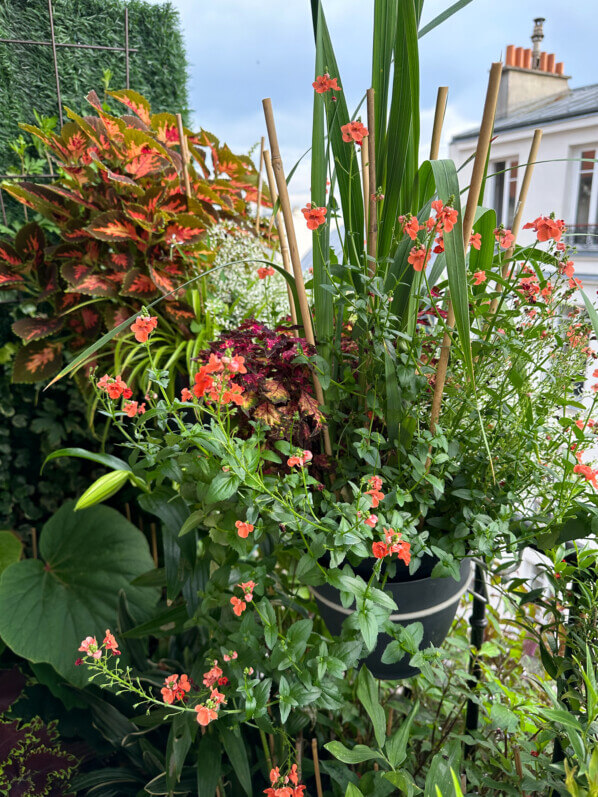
(535, 93)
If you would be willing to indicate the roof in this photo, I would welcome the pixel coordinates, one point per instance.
(576, 102)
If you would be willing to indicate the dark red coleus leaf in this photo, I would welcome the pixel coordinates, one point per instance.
(8, 255)
(30, 243)
(9, 280)
(179, 312)
(37, 362)
(30, 329)
(138, 285)
(83, 280)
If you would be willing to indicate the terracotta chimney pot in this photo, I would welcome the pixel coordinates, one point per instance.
(527, 58)
(519, 56)
(550, 63)
(560, 68)
(509, 60)
(543, 58)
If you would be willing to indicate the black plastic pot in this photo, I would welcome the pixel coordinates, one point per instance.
(430, 601)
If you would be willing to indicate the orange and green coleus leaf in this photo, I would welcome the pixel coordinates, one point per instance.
(136, 102)
(179, 312)
(138, 285)
(37, 362)
(113, 226)
(8, 255)
(30, 329)
(184, 228)
(82, 279)
(10, 279)
(30, 242)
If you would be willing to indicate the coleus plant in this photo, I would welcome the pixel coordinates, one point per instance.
(129, 232)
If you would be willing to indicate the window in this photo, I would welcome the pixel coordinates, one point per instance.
(586, 200)
(504, 189)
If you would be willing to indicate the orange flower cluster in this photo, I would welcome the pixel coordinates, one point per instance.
(243, 529)
(393, 544)
(300, 459)
(324, 83)
(546, 228)
(175, 688)
(214, 380)
(374, 492)
(143, 327)
(314, 216)
(114, 387)
(354, 131)
(280, 784)
(504, 238)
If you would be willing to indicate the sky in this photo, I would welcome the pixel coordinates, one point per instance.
(240, 51)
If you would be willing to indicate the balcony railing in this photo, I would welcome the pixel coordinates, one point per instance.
(583, 236)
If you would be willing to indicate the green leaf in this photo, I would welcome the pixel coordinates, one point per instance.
(403, 781)
(192, 522)
(223, 487)
(102, 459)
(177, 747)
(442, 17)
(11, 549)
(208, 774)
(367, 692)
(353, 791)
(103, 488)
(50, 604)
(396, 746)
(237, 755)
(355, 756)
(368, 625)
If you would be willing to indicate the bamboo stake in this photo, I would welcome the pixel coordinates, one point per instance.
(184, 154)
(525, 184)
(284, 247)
(441, 98)
(299, 753)
(154, 543)
(365, 179)
(372, 185)
(34, 542)
(287, 214)
(314, 753)
(477, 177)
(259, 187)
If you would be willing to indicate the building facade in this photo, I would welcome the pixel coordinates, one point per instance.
(535, 93)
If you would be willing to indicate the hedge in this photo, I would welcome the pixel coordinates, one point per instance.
(157, 70)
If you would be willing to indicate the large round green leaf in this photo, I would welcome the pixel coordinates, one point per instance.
(11, 549)
(48, 605)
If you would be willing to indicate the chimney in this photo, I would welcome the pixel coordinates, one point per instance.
(530, 75)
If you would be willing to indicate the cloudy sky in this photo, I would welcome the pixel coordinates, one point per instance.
(240, 51)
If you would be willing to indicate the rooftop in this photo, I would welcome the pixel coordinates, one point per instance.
(575, 102)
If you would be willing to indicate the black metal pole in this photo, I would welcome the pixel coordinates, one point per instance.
(478, 623)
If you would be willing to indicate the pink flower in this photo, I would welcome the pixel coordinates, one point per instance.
(301, 459)
(479, 277)
(265, 271)
(143, 327)
(110, 643)
(371, 521)
(89, 646)
(243, 529)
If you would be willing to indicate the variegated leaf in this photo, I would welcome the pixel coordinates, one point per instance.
(9, 280)
(184, 229)
(138, 285)
(30, 242)
(30, 329)
(138, 104)
(84, 280)
(180, 312)
(113, 226)
(9, 255)
(37, 362)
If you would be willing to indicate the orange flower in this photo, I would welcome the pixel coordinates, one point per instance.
(418, 257)
(380, 550)
(243, 529)
(205, 715)
(110, 643)
(324, 83)
(546, 228)
(475, 240)
(568, 269)
(354, 131)
(504, 237)
(314, 216)
(371, 521)
(446, 217)
(211, 677)
(238, 605)
(411, 225)
(301, 459)
(203, 382)
(479, 277)
(265, 271)
(130, 408)
(143, 327)
(186, 395)
(439, 245)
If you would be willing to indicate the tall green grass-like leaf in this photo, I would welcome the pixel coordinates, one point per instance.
(397, 172)
(323, 298)
(346, 165)
(385, 25)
